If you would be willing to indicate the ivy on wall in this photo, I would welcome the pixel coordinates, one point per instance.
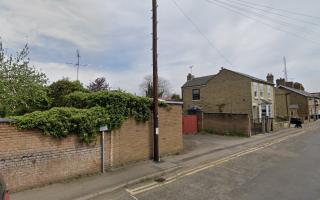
(84, 113)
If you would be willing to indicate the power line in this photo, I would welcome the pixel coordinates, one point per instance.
(262, 22)
(283, 10)
(201, 33)
(274, 13)
(284, 23)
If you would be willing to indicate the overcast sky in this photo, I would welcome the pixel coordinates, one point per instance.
(114, 38)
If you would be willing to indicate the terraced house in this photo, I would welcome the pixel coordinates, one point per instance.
(230, 92)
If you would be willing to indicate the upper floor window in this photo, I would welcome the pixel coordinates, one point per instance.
(269, 92)
(196, 94)
(261, 90)
(255, 90)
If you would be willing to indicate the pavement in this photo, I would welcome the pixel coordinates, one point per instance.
(200, 150)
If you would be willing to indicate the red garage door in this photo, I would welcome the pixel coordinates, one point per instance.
(190, 124)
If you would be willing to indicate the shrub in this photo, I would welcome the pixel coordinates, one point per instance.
(85, 112)
(117, 103)
(61, 122)
(61, 88)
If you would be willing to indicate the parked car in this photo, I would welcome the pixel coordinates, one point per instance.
(4, 193)
(297, 122)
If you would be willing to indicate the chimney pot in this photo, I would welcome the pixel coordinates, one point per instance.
(270, 78)
(190, 77)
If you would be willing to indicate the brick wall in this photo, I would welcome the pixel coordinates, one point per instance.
(29, 159)
(282, 104)
(225, 123)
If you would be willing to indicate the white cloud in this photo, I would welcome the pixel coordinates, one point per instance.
(115, 33)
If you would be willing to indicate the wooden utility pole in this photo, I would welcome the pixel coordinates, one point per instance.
(156, 154)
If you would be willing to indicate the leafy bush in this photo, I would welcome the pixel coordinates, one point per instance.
(61, 88)
(85, 112)
(61, 122)
(118, 104)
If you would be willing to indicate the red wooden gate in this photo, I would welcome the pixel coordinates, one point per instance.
(190, 124)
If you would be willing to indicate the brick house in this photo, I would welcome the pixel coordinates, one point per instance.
(230, 92)
(295, 102)
(317, 95)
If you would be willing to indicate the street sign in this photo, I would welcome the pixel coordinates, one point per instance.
(103, 128)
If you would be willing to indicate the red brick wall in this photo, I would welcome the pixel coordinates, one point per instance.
(225, 123)
(29, 159)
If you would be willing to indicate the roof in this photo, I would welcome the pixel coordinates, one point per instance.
(301, 92)
(265, 101)
(250, 77)
(205, 79)
(198, 81)
(317, 94)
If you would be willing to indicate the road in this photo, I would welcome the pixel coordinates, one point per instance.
(288, 169)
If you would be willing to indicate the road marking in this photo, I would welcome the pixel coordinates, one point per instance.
(203, 167)
(135, 198)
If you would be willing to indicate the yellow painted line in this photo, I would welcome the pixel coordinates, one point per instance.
(144, 186)
(198, 169)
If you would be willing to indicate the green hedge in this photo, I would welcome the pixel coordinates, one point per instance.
(85, 112)
(117, 103)
(61, 122)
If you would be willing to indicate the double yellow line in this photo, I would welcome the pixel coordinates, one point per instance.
(154, 184)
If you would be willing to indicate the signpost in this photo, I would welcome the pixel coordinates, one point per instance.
(103, 129)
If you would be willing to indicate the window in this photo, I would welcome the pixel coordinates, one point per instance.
(261, 90)
(269, 91)
(196, 94)
(255, 90)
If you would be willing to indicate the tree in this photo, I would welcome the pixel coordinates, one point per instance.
(147, 87)
(99, 84)
(22, 87)
(175, 97)
(59, 89)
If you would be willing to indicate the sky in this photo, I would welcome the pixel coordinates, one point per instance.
(114, 38)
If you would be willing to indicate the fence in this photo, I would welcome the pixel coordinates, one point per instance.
(262, 125)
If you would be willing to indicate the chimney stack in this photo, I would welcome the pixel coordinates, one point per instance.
(270, 78)
(298, 86)
(281, 81)
(289, 84)
(190, 77)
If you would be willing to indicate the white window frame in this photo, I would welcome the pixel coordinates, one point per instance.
(261, 91)
(269, 92)
(255, 90)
